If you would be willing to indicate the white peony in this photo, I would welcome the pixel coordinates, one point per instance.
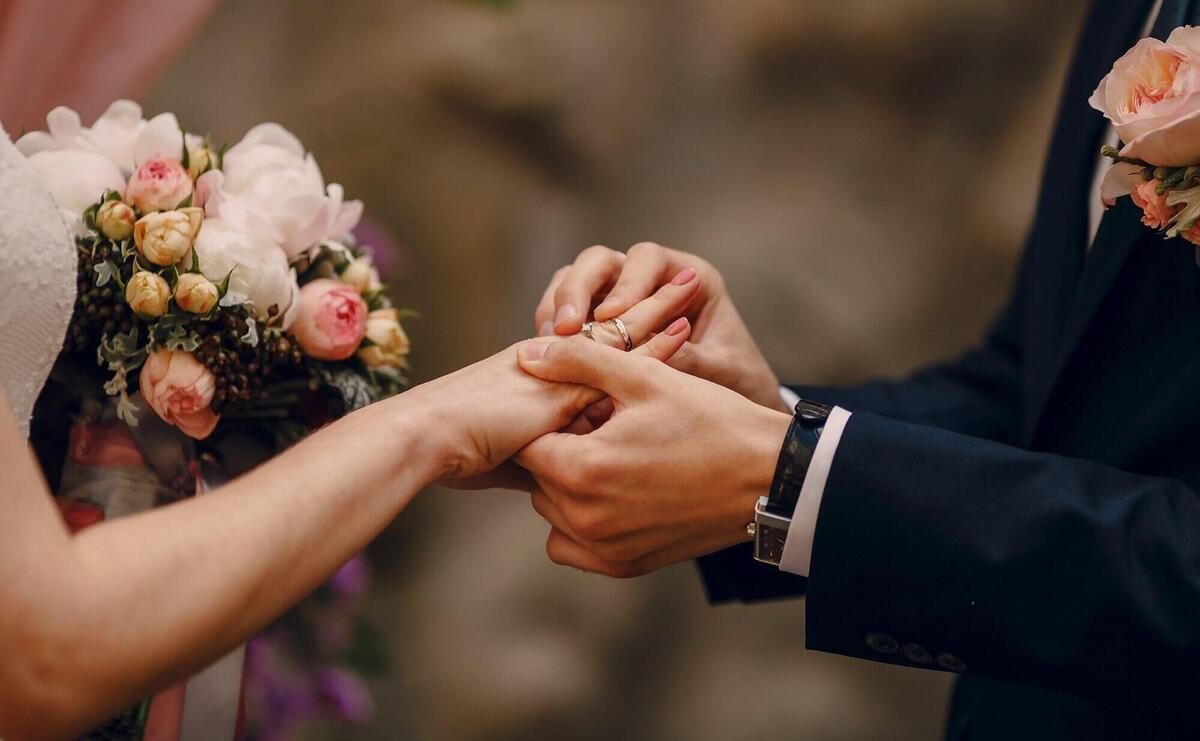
(76, 179)
(120, 134)
(269, 184)
(78, 164)
(260, 269)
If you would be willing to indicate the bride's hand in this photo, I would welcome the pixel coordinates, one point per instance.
(480, 416)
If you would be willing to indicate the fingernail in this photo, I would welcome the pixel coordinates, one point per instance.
(565, 312)
(546, 329)
(685, 276)
(677, 326)
(532, 351)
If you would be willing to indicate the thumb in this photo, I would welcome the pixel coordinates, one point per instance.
(596, 366)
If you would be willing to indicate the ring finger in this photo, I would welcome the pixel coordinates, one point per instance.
(651, 315)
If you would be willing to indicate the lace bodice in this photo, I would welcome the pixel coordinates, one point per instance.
(37, 282)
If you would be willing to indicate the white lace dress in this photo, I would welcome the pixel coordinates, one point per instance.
(37, 282)
(37, 295)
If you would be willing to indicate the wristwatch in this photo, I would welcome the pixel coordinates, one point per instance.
(773, 513)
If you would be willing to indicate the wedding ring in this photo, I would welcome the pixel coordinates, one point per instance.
(588, 330)
(620, 325)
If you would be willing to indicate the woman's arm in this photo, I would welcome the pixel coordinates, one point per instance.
(91, 623)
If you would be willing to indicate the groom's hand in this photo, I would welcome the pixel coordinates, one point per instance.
(721, 348)
(673, 474)
(491, 409)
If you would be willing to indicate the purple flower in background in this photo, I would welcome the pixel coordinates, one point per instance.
(380, 243)
(345, 694)
(296, 673)
(352, 579)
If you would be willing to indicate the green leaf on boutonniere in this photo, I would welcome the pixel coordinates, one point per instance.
(186, 202)
(186, 158)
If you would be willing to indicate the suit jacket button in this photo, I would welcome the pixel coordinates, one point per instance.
(883, 643)
(917, 654)
(951, 662)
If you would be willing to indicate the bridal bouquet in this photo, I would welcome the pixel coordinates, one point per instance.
(1152, 98)
(223, 310)
(221, 284)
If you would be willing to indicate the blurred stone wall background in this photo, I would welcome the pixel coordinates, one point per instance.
(862, 171)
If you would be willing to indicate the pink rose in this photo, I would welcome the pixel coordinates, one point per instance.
(158, 185)
(332, 320)
(1152, 97)
(180, 389)
(1157, 214)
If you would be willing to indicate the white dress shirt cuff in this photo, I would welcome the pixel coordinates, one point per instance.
(790, 398)
(797, 551)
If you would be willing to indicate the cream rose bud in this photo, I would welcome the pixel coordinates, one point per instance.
(358, 273)
(115, 220)
(196, 294)
(166, 237)
(158, 185)
(390, 345)
(198, 161)
(147, 294)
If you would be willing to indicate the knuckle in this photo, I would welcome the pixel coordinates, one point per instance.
(645, 250)
(586, 522)
(554, 554)
(598, 251)
(576, 478)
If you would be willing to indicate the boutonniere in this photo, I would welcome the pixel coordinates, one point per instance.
(1152, 98)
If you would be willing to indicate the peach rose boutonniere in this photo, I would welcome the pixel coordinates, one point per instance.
(1152, 98)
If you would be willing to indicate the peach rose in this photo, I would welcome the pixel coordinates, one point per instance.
(180, 389)
(332, 320)
(1152, 97)
(1157, 214)
(1192, 235)
(160, 184)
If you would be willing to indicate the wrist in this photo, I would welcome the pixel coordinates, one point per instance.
(424, 450)
(766, 437)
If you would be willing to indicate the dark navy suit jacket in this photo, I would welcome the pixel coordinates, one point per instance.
(1028, 514)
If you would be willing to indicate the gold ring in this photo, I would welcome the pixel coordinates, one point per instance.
(620, 325)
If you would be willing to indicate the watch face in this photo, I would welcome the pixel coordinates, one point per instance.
(768, 544)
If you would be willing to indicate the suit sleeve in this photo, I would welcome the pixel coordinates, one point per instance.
(970, 555)
(977, 394)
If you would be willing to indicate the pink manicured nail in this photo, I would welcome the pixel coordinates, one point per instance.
(532, 351)
(685, 276)
(678, 325)
(546, 329)
(565, 312)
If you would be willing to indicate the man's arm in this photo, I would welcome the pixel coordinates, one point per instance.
(978, 394)
(940, 550)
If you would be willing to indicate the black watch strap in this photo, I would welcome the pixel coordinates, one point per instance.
(795, 456)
